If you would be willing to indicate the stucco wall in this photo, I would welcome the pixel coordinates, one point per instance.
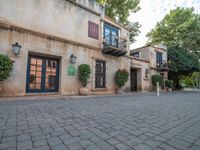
(56, 17)
(69, 85)
(153, 56)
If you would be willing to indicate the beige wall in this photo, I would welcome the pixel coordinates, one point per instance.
(69, 85)
(56, 17)
(153, 56)
(59, 28)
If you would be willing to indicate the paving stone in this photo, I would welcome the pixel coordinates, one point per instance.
(8, 145)
(86, 143)
(54, 141)
(41, 148)
(143, 147)
(141, 121)
(23, 137)
(72, 140)
(24, 145)
(59, 146)
(40, 143)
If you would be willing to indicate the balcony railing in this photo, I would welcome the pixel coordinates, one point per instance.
(114, 45)
(162, 66)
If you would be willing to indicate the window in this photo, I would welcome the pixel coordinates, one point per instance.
(100, 74)
(136, 54)
(159, 60)
(111, 35)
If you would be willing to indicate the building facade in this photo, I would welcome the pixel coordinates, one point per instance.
(53, 32)
(157, 57)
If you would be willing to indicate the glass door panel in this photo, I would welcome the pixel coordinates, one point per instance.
(35, 77)
(42, 74)
(50, 74)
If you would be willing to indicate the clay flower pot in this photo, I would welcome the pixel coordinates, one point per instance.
(120, 91)
(84, 91)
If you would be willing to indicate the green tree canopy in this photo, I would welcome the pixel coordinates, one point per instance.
(120, 10)
(182, 63)
(180, 27)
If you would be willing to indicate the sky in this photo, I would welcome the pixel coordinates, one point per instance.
(153, 11)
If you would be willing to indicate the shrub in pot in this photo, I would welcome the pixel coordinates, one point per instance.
(157, 78)
(169, 85)
(5, 68)
(121, 77)
(84, 72)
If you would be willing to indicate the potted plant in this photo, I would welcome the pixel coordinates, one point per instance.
(157, 78)
(121, 77)
(84, 72)
(5, 68)
(169, 85)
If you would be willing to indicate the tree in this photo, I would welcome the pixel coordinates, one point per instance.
(180, 27)
(120, 10)
(182, 63)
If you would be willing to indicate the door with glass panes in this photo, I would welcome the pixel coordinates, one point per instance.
(42, 74)
(111, 35)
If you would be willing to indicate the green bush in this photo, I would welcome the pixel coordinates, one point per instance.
(121, 77)
(5, 67)
(84, 72)
(157, 78)
(169, 83)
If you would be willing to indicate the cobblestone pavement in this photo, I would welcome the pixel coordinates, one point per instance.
(137, 121)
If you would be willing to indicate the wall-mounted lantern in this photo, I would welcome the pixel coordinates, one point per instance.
(16, 48)
(73, 59)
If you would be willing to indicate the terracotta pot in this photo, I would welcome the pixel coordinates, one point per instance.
(84, 91)
(120, 91)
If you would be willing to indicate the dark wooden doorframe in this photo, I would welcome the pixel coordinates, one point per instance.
(133, 80)
(46, 74)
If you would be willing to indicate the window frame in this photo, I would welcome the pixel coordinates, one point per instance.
(159, 58)
(111, 29)
(136, 54)
(100, 74)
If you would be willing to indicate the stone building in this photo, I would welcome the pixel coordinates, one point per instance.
(52, 33)
(157, 57)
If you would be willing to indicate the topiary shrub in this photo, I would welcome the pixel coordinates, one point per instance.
(5, 67)
(157, 78)
(84, 72)
(169, 83)
(121, 77)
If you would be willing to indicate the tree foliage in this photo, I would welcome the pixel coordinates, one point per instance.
(5, 67)
(120, 10)
(182, 63)
(180, 27)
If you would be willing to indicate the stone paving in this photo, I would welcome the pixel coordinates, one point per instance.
(130, 122)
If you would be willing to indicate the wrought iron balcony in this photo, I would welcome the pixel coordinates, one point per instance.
(162, 66)
(114, 45)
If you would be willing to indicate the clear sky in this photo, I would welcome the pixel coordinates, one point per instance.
(152, 11)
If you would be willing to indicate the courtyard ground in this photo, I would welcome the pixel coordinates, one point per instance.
(135, 121)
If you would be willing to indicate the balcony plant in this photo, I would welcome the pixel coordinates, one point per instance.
(121, 77)
(84, 72)
(169, 85)
(5, 68)
(157, 78)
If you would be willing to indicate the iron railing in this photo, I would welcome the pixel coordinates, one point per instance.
(114, 41)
